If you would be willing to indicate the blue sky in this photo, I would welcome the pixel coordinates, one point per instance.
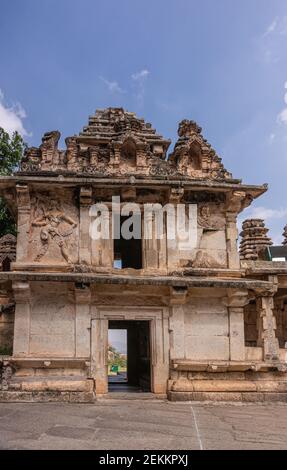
(222, 63)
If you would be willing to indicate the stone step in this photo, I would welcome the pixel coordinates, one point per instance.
(51, 383)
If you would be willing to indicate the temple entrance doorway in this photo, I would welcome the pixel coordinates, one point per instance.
(129, 356)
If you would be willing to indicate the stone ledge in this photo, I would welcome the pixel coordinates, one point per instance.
(49, 362)
(226, 366)
(10, 181)
(240, 283)
(228, 396)
(45, 397)
(229, 386)
(51, 384)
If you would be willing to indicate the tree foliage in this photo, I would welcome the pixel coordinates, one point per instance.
(11, 152)
(116, 358)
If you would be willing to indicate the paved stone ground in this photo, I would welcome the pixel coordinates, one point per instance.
(142, 424)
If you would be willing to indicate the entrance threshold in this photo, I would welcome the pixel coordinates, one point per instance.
(132, 396)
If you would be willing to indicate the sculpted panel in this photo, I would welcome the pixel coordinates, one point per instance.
(54, 229)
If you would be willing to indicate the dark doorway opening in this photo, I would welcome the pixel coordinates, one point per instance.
(137, 377)
(128, 253)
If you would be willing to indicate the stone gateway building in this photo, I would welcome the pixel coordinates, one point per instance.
(207, 322)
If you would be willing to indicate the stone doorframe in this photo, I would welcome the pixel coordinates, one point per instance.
(159, 340)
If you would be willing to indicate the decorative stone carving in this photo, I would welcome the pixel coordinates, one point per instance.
(117, 142)
(6, 373)
(194, 156)
(32, 160)
(205, 260)
(254, 239)
(285, 236)
(50, 216)
(7, 249)
(208, 220)
(267, 327)
(49, 150)
(186, 128)
(72, 154)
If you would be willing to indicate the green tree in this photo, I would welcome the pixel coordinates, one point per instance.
(11, 152)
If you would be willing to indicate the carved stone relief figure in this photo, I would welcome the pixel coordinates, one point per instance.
(205, 260)
(50, 216)
(209, 221)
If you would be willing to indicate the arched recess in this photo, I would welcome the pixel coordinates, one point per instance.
(129, 152)
(195, 158)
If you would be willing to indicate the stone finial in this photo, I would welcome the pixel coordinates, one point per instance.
(194, 157)
(187, 127)
(285, 235)
(254, 239)
(49, 150)
(51, 138)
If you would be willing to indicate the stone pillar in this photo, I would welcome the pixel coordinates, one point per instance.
(160, 359)
(24, 210)
(266, 327)
(83, 321)
(231, 241)
(107, 252)
(176, 323)
(22, 319)
(85, 239)
(99, 356)
(235, 301)
(150, 252)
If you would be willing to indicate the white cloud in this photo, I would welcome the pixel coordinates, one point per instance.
(112, 86)
(272, 42)
(264, 213)
(271, 138)
(140, 78)
(271, 28)
(278, 26)
(275, 220)
(11, 117)
(283, 26)
(282, 116)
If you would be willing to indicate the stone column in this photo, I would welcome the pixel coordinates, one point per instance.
(149, 241)
(266, 327)
(176, 323)
(231, 241)
(235, 301)
(24, 210)
(85, 239)
(22, 319)
(160, 359)
(99, 354)
(83, 321)
(107, 253)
